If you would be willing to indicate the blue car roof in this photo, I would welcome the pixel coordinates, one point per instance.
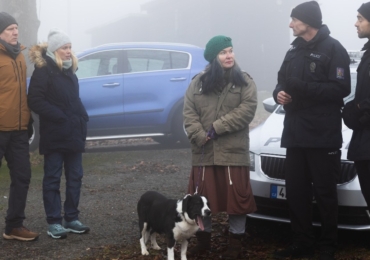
(159, 45)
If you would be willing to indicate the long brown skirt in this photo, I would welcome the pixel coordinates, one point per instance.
(227, 188)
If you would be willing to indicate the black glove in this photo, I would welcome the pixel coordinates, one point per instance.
(351, 115)
(212, 133)
(30, 128)
(365, 119)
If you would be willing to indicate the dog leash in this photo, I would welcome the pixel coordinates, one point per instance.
(199, 170)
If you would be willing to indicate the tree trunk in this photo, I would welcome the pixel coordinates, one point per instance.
(25, 14)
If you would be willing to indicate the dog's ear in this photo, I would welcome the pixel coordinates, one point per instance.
(185, 203)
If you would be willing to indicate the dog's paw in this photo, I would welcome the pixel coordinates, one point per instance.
(144, 252)
(156, 247)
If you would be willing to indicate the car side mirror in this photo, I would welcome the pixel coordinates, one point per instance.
(270, 105)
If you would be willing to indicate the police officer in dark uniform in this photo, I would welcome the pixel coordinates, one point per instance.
(359, 148)
(312, 82)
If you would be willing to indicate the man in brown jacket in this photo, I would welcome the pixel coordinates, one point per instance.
(14, 119)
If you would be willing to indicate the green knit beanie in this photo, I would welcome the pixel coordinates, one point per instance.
(215, 45)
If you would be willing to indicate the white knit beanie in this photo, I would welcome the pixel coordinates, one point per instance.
(57, 39)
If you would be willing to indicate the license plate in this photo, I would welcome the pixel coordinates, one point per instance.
(278, 192)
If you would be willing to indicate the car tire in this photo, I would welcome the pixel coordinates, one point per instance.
(178, 129)
(178, 133)
(35, 138)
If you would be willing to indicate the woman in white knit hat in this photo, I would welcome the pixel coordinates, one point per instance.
(54, 96)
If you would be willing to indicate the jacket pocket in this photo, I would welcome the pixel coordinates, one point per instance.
(236, 142)
(58, 131)
(315, 66)
(233, 97)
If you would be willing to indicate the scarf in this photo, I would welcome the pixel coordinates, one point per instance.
(66, 63)
(13, 50)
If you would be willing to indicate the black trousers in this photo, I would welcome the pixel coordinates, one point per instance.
(363, 172)
(15, 148)
(312, 172)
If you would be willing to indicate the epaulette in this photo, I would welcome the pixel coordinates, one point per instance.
(197, 74)
(247, 74)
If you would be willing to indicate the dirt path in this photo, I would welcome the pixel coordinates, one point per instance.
(114, 180)
(112, 184)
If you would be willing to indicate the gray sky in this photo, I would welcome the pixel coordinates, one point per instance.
(340, 16)
(75, 17)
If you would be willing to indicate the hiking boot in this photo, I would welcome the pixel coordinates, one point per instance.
(76, 226)
(22, 234)
(294, 251)
(234, 247)
(57, 231)
(203, 243)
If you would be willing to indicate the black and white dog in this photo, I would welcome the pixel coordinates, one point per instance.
(177, 219)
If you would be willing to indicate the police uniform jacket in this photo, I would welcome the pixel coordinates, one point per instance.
(316, 74)
(359, 148)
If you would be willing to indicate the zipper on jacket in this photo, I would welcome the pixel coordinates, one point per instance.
(20, 65)
(16, 73)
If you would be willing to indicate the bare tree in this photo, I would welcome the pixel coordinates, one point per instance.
(24, 12)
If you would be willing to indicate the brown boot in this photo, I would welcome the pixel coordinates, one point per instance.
(203, 243)
(234, 247)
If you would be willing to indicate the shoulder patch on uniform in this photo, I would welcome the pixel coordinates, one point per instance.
(340, 73)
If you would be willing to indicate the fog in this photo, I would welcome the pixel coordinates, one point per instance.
(77, 16)
(259, 29)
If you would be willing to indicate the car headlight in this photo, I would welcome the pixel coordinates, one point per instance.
(252, 159)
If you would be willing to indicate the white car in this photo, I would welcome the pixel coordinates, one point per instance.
(267, 175)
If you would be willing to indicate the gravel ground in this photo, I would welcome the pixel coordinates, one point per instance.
(115, 177)
(112, 185)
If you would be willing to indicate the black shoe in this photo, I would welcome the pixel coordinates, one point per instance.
(294, 251)
(326, 255)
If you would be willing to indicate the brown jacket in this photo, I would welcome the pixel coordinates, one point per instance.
(14, 111)
(230, 113)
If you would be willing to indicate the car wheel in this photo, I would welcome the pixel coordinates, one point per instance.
(178, 129)
(35, 138)
(178, 133)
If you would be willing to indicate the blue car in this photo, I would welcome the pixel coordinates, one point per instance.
(133, 90)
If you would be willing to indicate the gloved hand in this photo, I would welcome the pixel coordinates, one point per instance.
(295, 86)
(212, 133)
(30, 128)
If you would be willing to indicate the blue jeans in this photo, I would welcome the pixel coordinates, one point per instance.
(53, 165)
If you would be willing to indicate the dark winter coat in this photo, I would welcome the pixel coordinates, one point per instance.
(316, 74)
(359, 148)
(54, 95)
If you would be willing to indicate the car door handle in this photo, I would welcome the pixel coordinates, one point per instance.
(111, 85)
(177, 79)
